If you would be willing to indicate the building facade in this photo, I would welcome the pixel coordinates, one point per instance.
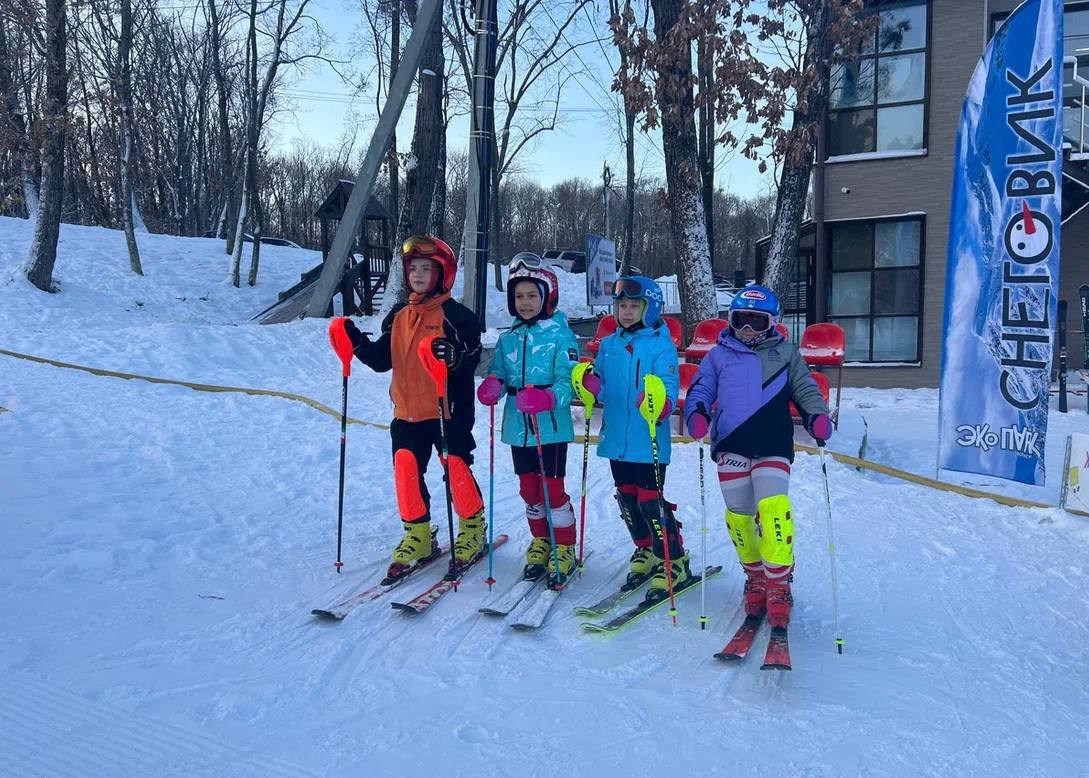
(873, 258)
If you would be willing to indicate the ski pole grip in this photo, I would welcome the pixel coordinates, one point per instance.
(341, 343)
(436, 368)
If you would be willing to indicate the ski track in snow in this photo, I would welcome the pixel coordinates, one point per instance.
(163, 549)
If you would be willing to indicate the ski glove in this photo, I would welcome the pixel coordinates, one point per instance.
(354, 335)
(490, 391)
(699, 422)
(820, 427)
(444, 351)
(592, 384)
(533, 400)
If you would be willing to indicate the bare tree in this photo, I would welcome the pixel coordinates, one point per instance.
(125, 94)
(289, 45)
(531, 51)
(14, 132)
(43, 246)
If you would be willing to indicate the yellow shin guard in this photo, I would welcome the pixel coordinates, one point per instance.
(776, 530)
(742, 531)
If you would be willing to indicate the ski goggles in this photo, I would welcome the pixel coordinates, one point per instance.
(419, 246)
(757, 321)
(527, 260)
(628, 287)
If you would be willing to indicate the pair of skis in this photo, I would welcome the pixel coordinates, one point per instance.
(415, 605)
(643, 608)
(777, 655)
(527, 604)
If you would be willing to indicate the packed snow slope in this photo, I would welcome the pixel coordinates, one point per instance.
(162, 549)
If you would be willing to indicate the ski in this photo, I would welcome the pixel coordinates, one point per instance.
(434, 593)
(741, 642)
(605, 605)
(533, 612)
(1062, 355)
(643, 608)
(505, 603)
(777, 657)
(341, 609)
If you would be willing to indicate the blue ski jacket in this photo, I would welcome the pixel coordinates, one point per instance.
(541, 353)
(624, 359)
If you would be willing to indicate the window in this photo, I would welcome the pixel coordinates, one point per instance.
(878, 101)
(876, 292)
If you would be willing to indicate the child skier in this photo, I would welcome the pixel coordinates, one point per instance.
(746, 381)
(641, 345)
(532, 365)
(429, 268)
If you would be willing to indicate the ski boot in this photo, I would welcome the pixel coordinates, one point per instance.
(469, 543)
(780, 598)
(642, 565)
(417, 545)
(659, 582)
(558, 576)
(756, 589)
(537, 558)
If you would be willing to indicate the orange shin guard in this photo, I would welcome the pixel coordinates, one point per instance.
(463, 489)
(406, 477)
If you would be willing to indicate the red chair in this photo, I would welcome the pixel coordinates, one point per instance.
(704, 339)
(605, 328)
(686, 371)
(676, 331)
(822, 385)
(825, 345)
(783, 330)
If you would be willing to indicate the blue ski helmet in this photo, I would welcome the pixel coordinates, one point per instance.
(645, 289)
(756, 298)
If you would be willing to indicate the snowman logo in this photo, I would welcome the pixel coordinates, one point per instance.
(1029, 236)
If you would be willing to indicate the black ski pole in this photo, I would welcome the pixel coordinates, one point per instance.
(342, 345)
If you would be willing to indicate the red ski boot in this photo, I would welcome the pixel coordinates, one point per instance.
(780, 599)
(755, 589)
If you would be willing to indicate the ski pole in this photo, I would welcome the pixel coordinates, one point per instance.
(587, 400)
(342, 346)
(544, 490)
(703, 544)
(491, 495)
(831, 550)
(436, 368)
(653, 386)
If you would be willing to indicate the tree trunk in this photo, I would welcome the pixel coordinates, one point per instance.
(707, 142)
(124, 50)
(421, 177)
(253, 193)
(226, 154)
(16, 120)
(392, 167)
(686, 214)
(438, 200)
(794, 177)
(43, 247)
(629, 191)
(239, 227)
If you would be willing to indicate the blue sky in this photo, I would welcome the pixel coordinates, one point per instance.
(585, 138)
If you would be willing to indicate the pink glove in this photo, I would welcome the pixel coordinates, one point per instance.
(699, 422)
(490, 391)
(666, 410)
(533, 400)
(820, 427)
(592, 384)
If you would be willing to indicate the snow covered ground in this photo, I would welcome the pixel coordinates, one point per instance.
(162, 549)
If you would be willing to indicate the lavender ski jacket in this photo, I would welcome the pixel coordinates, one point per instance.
(746, 392)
